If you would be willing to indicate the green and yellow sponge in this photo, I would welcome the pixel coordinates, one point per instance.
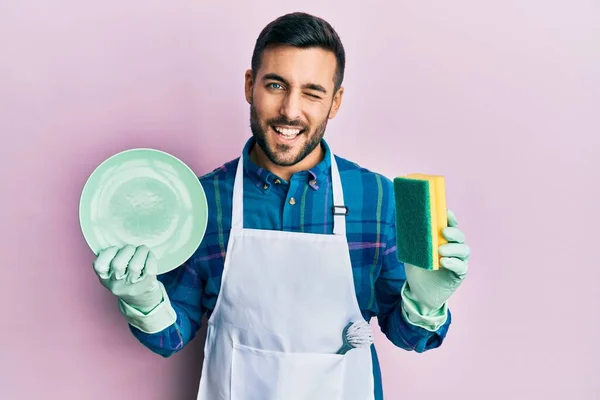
(421, 215)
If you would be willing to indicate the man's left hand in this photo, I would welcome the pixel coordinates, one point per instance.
(431, 289)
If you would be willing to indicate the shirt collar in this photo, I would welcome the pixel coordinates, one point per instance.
(262, 177)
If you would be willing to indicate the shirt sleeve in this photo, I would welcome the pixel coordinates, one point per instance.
(388, 287)
(184, 287)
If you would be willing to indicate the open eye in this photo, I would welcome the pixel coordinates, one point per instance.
(274, 85)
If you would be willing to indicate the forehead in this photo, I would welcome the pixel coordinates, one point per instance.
(299, 66)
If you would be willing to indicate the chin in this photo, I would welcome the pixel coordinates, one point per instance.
(282, 158)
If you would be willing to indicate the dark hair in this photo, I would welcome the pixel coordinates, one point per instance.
(301, 30)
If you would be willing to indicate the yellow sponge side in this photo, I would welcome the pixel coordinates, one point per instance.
(439, 216)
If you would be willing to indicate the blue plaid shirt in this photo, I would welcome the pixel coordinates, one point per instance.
(370, 228)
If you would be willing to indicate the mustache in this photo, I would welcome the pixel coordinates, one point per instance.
(285, 121)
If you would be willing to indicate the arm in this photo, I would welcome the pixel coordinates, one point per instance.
(182, 299)
(401, 319)
(164, 314)
(173, 318)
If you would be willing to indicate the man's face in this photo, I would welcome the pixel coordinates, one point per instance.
(291, 100)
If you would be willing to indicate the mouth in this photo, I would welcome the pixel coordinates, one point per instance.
(287, 133)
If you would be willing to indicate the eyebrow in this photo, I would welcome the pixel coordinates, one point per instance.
(310, 86)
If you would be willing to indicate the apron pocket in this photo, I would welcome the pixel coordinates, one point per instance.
(271, 375)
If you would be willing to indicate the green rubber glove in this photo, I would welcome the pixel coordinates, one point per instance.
(130, 274)
(426, 292)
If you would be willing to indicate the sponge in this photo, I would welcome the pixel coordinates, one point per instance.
(420, 217)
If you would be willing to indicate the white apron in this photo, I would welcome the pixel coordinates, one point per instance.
(285, 299)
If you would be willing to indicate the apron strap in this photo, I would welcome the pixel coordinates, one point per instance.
(237, 209)
(339, 209)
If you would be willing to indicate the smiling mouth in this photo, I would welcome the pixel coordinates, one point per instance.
(287, 132)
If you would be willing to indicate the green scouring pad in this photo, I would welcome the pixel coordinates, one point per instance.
(420, 217)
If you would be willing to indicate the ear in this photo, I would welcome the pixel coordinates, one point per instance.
(248, 86)
(337, 102)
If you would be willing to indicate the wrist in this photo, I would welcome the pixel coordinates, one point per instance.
(423, 306)
(157, 319)
(147, 301)
(419, 314)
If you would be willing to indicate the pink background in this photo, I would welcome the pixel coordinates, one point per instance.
(502, 97)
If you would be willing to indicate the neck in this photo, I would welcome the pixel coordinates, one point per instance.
(286, 172)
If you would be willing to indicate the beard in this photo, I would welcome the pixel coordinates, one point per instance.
(281, 154)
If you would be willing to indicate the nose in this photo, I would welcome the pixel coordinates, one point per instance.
(291, 106)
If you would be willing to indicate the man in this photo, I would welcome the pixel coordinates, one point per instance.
(299, 243)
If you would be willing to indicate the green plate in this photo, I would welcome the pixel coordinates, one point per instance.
(145, 196)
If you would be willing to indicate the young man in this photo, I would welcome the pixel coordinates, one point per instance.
(299, 243)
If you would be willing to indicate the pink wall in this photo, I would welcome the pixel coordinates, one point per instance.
(502, 98)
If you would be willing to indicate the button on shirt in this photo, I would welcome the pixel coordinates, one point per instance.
(302, 204)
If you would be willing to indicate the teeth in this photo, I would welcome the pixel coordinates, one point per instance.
(287, 131)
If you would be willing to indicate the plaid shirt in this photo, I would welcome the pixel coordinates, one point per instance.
(302, 204)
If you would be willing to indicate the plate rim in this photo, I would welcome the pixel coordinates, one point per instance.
(85, 189)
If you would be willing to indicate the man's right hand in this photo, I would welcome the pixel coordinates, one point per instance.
(130, 274)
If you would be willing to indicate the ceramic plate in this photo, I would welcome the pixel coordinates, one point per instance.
(145, 196)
